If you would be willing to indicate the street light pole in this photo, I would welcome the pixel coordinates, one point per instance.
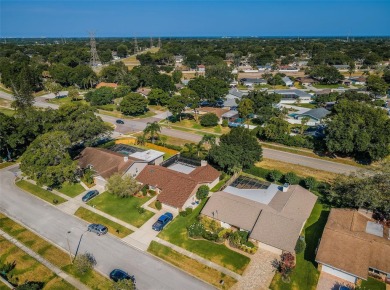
(70, 254)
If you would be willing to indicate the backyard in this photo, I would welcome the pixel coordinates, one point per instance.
(176, 233)
(305, 274)
(124, 209)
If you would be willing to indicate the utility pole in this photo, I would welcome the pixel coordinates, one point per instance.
(135, 45)
(151, 42)
(95, 61)
(70, 254)
(159, 42)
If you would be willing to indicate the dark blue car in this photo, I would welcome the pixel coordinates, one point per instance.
(118, 275)
(162, 221)
(89, 195)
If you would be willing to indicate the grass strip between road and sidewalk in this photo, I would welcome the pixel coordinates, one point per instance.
(112, 227)
(29, 269)
(191, 266)
(52, 253)
(6, 164)
(40, 192)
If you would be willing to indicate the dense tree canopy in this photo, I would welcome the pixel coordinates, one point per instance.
(358, 129)
(100, 96)
(47, 160)
(236, 150)
(377, 85)
(210, 89)
(326, 74)
(133, 104)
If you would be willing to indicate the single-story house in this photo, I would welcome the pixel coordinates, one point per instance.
(353, 246)
(217, 111)
(176, 181)
(179, 58)
(288, 68)
(230, 115)
(233, 98)
(358, 80)
(292, 96)
(315, 116)
(287, 81)
(306, 81)
(144, 91)
(341, 67)
(250, 82)
(106, 162)
(264, 67)
(273, 215)
(201, 68)
(108, 85)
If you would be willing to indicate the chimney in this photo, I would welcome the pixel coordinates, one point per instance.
(285, 187)
(125, 158)
(203, 163)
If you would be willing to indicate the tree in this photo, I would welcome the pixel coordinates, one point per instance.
(176, 76)
(121, 50)
(326, 74)
(100, 96)
(158, 97)
(219, 71)
(210, 89)
(237, 149)
(210, 140)
(304, 121)
(123, 284)
(377, 85)
(73, 94)
(84, 263)
(203, 192)
(53, 88)
(358, 129)
(351, 68)
(275, 175)
(152, 128)
(47, 160)
(291, 178)
(245, 108)
(164, 82)
(209, 120)
(114, 73)
(122, 186)
(176, 105)
(22, 91)
(364, 190)
(310, 182)
(275, 129)
(133, 104)
(264, 105)
(193, 100)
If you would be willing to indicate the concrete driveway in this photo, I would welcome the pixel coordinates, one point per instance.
(330, 282)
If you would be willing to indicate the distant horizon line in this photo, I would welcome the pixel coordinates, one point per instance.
(211, 36)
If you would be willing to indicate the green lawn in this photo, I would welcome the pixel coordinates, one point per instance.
(372, 284)
(6, 164)
(218, 186)
(71, 189)
(6, 111)
(65, 100)
(92, 217)
(318, 86)
(124, 209)
(40, 192)
(305, 275)
(191, 266)
(309, 106)
(176, 233)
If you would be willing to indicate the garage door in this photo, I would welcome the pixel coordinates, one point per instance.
(340, 274)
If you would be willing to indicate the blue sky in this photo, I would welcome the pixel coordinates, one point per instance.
(129, 18)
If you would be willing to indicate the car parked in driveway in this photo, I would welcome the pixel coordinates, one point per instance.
(118, 274)
(119, 121)
(162, 221)
(89, 195)
(98, 229)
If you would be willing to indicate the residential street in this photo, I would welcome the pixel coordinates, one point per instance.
(109, 252)
(131, 126)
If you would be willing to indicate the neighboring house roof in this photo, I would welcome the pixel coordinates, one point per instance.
(318, 113)
(144, 91)
(217, 111)
(201, 66)
(323, 92)
(237, 93)
(298, 93)
(176, 187)
(103, 84)
(230, 101)
(277, 223)
(105, 162)
(148, 155)
(253, 80)
(346, 245)
(306, 80)
(286, 80)
(230, 114)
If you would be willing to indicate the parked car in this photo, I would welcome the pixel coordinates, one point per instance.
(89, 195)
(119, 122)
(98, 229)
(118, 274)
(162, 221)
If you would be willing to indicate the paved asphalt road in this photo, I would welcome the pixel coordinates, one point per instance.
(131, 126)
(110, 252)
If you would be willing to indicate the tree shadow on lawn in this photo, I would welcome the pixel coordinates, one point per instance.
(313, 234)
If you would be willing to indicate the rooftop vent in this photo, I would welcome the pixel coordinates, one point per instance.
(125, 158)
(285, 187)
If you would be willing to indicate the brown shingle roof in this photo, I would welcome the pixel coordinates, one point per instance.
(346, 246)
(104, 162)
(176, 187)
(103, 84)
(217, 111)
(204, 174)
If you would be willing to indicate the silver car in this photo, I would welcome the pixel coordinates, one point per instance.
(98, 229)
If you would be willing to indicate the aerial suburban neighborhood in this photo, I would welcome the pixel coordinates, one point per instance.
(145, 155)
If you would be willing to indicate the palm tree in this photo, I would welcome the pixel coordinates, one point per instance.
(141, 140)
(210, 140)
(191, 149)
(304, 121)
(152, 129)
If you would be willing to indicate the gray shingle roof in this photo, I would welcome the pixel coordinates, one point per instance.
(318, 113)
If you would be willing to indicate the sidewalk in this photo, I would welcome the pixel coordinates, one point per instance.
(77, 284)
(199, 259)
